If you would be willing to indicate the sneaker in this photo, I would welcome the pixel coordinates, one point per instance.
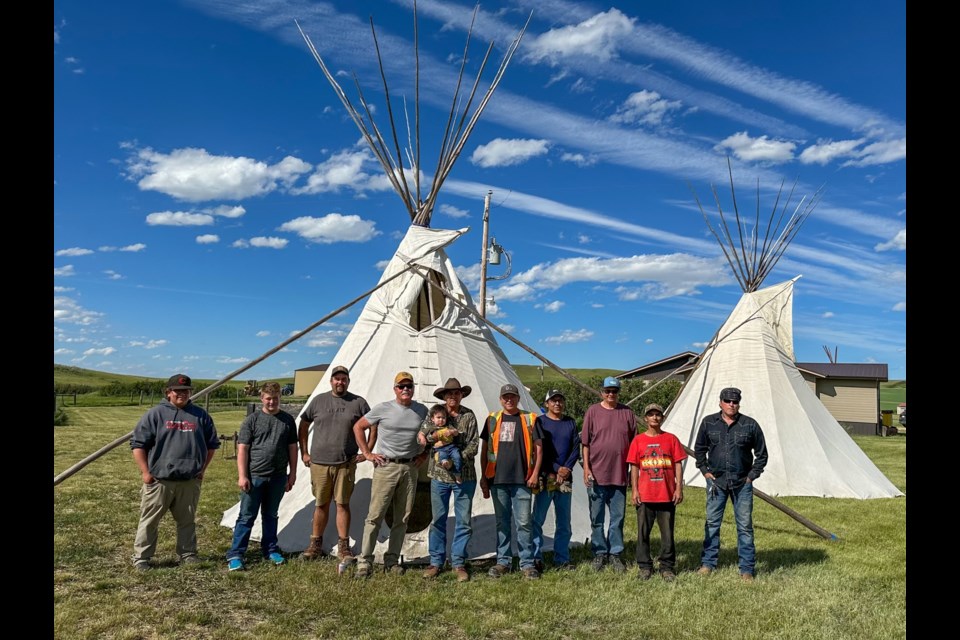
(141, 565)
(597, 563)
(617, 564)
(668, 576)
(235, 564)
(704, 570)
(462, 575)
(432, 572)
(644, 574)
(498, 570)
(531, 573)
(746, 577)
(276, 558)
(189, 560)
(363, 571)
(343, 549)
(396, 570)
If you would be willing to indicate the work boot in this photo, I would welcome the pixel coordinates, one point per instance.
(315, 550)
(343, 549)
(617, 564)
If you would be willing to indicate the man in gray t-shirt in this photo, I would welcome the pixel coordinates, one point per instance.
(332, 458)
(391, 445)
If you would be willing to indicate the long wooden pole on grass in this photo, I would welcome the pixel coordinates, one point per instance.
(820, 531)
(116, 443)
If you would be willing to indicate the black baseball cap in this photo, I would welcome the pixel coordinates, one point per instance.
(180, 381)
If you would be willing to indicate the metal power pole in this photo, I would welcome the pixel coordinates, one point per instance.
(483, 255)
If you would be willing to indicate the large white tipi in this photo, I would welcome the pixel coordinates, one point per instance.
(810, 454)
(408, 324)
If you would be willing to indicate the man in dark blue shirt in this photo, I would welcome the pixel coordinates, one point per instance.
(731, 453)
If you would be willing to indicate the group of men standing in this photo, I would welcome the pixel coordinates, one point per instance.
(527, 463)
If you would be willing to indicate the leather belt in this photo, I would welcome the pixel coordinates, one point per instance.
(398, 460)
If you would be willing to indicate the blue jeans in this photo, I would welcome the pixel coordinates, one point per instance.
(512, 502)
(742, 498)
(452, 453)
(440, 493)
(603, 497)
(264, 496)
(561, 511)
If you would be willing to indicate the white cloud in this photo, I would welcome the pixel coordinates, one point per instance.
(229, 360)
(509, 328)
(240, 244)
(760, 149)
(333, 227)
(648, 341)
(583, 238)
(66, 270)
(134, 248)
(58, 289)
(503, 152)
(896, 243)
(208, 238)
(827, 314)
(645, 107)
(269, 242)
(880, 153)
(664, 275)
(381, 265)
(597, 38)
(900, 306)
(579, 159)
(569, 336)
(62, 351)
(826, 151)
(113, 275)
(551, 307)
(226, 211)
(469, 276)
(194, 175)
(263, 334)
(453, 212)
(73, 251)
(149, 344)
(597, 305)
(105, 351)
(355, 169)
(700, 345)
(179, 219)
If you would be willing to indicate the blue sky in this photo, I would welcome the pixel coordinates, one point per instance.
(211, 197)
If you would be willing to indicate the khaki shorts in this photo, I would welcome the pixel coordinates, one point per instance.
(334, 480)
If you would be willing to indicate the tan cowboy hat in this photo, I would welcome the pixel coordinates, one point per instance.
(452, 384)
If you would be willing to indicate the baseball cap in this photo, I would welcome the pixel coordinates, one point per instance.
(651, 407)
(611, 382)
(339, 369)
(508, 389)
(180, 381)
(403, 375)
(730, 393)
(554, 392)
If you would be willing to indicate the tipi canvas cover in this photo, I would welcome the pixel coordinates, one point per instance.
(397, 331)
(810, 454)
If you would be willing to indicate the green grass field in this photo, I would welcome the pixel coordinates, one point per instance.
(807, 587)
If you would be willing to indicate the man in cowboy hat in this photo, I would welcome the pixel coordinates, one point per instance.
(466, 437)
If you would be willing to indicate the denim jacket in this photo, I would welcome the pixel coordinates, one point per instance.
(731, 453)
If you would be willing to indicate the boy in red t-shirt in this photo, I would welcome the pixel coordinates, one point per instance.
(656, 481)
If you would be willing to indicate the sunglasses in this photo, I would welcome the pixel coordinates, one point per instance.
(730, 401)
(613, 391)
(404, 386)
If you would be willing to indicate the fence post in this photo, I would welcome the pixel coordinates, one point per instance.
(74, 398)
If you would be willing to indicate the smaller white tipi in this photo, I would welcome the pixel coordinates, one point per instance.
(810, 454)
